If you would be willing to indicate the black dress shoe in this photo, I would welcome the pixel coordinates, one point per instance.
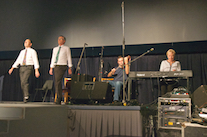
(117, 103)
(58, 102)
(26, 99)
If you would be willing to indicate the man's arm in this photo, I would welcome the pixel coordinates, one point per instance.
(126, 60)
(111, 73)
(52, 63)
(35, 60)
(69, 60)
(36, 63)
(16, 63)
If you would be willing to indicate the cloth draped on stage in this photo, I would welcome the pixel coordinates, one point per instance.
(99, 122)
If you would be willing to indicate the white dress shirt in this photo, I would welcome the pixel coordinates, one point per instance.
(165, 66)
(31, 58)
(64, 57)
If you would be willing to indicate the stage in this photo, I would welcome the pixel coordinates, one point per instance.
(48, 119)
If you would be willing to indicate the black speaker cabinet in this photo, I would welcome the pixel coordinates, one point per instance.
(86, 91)
(195, 130)
(199, 96)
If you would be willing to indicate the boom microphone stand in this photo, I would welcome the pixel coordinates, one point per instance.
(140, 56)
(129, 79)
(78, 65)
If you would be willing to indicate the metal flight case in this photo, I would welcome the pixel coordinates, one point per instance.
(172, 112)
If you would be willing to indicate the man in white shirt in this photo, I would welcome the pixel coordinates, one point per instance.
(26, 59)
(60, 61)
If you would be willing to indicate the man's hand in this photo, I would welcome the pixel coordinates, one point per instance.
(127, 59)
(113, 71)
(51, 71)
(10, 71)
(69, 71)
(37, 73)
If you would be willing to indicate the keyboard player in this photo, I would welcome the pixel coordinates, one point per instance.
(170, 64)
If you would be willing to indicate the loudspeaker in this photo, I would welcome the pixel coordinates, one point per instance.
(199, 96)
(86, 91)
(194, 130)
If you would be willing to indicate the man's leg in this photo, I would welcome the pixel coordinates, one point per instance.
(118, 86)
(24, 74)
(59, 72)
(112, 83)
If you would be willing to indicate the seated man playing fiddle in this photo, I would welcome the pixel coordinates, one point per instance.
(117, 73)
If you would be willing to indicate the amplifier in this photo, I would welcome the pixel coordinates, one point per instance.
(172, 112)
(84, 92)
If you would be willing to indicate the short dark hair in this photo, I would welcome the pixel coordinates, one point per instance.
(119, 57)
(28, 39)
(63, 37)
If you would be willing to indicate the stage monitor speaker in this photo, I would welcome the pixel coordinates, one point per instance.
(96, 91)
(199, 96)
(82, 78)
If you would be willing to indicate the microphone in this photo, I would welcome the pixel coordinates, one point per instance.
(151, 50)
(85, 44)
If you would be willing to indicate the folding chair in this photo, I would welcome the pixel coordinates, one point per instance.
(46, 87)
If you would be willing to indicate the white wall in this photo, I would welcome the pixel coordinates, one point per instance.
(99, 22)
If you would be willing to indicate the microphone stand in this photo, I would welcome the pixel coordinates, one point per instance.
(78, 65)
(129, 63)
(123, 48)
(141, 55)
(101, 64)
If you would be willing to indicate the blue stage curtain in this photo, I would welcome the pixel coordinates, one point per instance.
(145, 92)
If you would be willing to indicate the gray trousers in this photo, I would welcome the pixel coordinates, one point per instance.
(24, 73)
(59, 71)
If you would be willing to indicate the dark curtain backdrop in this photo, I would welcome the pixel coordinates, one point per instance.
(145, 91)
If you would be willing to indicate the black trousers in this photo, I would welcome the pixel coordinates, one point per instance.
(24, 73)
(59, 71)
(167, 86)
